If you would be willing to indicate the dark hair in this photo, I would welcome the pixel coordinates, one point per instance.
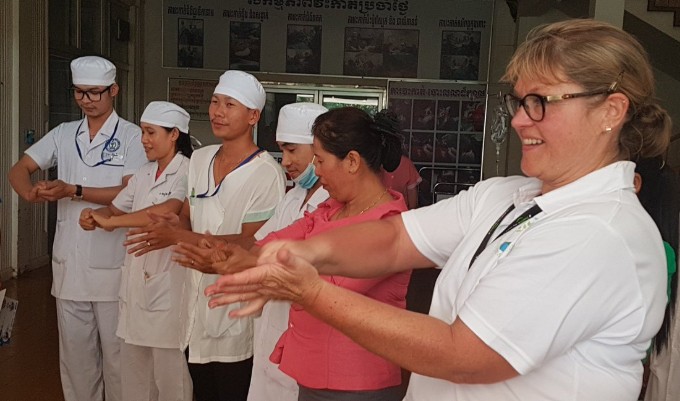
(660, 196)
(183, 144)
(349, 128)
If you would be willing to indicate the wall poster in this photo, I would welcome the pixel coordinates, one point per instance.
(443, 128)
(193, 95)
(437, 39)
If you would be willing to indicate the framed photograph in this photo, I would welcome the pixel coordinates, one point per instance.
(448, 115)
(423, 114)
(446, 148)
(422, 147)
(303, 49)
(470, 149)
(245, 41)
(460, 55)
(472, 116)
(190, 43)
(400, 53)
(363, 52)
(402, 108)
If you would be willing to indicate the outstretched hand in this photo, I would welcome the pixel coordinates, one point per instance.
(289, 278)
(159, 234)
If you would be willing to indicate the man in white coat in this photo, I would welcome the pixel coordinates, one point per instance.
(294, 136)
(95, 157)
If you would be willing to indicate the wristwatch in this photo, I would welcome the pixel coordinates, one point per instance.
(79, 193)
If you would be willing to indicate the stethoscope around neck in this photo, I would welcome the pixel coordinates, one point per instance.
(103, 161)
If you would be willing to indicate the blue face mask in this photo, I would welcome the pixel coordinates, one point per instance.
(307, 178)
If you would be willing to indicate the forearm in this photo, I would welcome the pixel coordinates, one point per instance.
(141, 217)
(363, 250)
(101, 196)
(20, 180)
(417, 342)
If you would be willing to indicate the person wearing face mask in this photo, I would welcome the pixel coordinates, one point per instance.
(350, 149)
(294, 137)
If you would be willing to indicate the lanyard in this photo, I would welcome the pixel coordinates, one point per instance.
(533, 211)
(246, 160)
(106, 145)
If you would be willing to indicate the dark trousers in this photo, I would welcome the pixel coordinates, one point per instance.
(221, 381)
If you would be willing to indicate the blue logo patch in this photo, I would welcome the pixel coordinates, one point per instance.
(113, 145)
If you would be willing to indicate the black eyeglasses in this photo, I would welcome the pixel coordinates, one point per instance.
(534, 104)
(93, 94)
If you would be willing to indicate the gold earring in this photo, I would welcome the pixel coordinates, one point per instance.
(607, 129)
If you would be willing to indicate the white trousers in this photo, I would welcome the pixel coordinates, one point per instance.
(89, 350)
(154, 374)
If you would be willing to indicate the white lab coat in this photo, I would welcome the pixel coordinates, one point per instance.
(151, 285)
(248, 194)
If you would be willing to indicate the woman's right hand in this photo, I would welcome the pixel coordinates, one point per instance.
(104, 222)
(289, 277)
(86, 220)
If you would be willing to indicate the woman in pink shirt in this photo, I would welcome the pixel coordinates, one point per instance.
(350, 150)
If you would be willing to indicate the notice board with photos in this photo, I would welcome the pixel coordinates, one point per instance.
(434, 39)
(443, 128)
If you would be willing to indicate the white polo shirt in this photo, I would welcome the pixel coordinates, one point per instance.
(248, 194)
(570, 299)
(86, 264)
(151, 284)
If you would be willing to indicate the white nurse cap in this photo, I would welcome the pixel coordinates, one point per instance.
(243, 87)
(93, 70)
(166, 114)
(295, 122)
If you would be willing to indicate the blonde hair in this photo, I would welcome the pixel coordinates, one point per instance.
(595, 55)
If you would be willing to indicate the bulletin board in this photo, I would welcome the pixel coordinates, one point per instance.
(434, 39)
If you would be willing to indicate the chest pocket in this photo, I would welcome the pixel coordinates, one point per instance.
(160, 194)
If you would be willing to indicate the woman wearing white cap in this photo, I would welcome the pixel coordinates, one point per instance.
(234, 188)
(153, 366)
(294, 137)
(351, 149)
(96, 156)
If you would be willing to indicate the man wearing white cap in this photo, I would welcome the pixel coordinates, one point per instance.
(95, 158)
(152, 365)
(294, 136)
(233, 188)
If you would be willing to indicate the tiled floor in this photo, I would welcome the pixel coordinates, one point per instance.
(29, 364)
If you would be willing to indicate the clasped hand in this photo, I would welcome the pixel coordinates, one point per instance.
(161, 233)
(279, 274)
(49, 191)
(214, 256)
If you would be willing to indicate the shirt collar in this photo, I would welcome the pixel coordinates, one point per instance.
(614, 177)
(172, 167)
(106, 129)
